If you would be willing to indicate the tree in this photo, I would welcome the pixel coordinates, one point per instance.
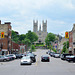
(50, 38)
(14, 36)
(32, 48)
(22, 37)
(26, 42)
(64, 47)
(31, 36)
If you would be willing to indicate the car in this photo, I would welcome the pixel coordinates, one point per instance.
(63, 56)
(13, 56)
(70, 58)
(48, 52)
(45, 58)
(25, 60)
(10, 58)
(57, 55)
(52, 54)
(18, 56)
(4, 58)
(32, 56)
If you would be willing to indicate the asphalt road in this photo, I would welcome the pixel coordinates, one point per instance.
(55, 67)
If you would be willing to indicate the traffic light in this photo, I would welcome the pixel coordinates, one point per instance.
(2, 34)
(66, 34)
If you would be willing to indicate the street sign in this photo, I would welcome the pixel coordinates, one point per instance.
(2, 34)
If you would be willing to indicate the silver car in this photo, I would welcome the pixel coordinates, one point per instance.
(4, 58)
(57, 55)
(26, 60)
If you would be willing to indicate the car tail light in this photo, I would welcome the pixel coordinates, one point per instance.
(70, 58)
(42, 57)
(48, 58)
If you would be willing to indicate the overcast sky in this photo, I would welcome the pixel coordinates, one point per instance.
(60, 14)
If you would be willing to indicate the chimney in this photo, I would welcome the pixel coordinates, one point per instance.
(0, 21)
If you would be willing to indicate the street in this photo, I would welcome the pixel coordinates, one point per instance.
(56, 66)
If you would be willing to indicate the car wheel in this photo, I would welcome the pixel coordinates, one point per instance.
(35, 60)
(4, 60)
(21, 64)
(30, 63)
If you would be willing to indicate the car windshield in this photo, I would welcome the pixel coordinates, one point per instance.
(30, 54)
(26, 57)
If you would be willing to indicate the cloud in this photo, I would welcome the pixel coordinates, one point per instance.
(21, 14)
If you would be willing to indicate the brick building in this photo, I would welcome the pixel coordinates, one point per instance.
(5, 43)
(70, 41)
(15, 47)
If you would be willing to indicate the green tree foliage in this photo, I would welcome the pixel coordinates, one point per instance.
(26, 42)
(14, 36)
(32, 48)
(50, 38)
(64, 47)
(31, 36)
(22, 37)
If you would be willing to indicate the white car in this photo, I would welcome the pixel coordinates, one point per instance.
(57, 55)
(26, 60)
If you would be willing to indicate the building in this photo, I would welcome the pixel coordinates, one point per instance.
(15, 48)
(5, 43)
(42, 32)
(71, 42)
(60, 43)
(73, 32)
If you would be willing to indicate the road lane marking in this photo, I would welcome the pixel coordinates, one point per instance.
(37, 62)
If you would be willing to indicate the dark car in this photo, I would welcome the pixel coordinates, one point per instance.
(70, 58)
(45, 58)
(32, 56)
(4, 58)
(63, 56)
(18, 56)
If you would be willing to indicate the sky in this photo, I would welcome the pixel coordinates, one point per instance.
(60, 14)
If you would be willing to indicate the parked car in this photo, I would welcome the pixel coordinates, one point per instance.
(63, 56)
(45, 58)
(70, 58)
(32, 56)
(26, 60)
(57, 55)
(18, 56)
(4, 58)
(48, 52)
(52, 54)
(13, 56)
(10, 58)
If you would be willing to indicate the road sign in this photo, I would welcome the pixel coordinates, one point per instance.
(2, 34)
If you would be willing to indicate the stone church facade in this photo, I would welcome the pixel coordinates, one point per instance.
(41, 32)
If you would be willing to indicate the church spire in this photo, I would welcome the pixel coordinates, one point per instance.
(40, 27)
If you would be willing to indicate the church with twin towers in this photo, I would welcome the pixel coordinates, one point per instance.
(40, 30)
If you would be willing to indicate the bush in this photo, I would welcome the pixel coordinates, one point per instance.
(32, 48)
